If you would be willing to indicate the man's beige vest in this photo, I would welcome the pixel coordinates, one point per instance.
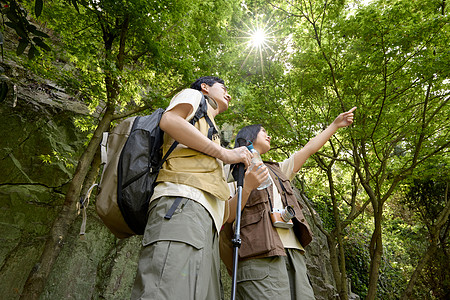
(193, 168)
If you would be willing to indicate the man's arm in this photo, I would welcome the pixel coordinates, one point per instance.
(343, 120)
(173, 122)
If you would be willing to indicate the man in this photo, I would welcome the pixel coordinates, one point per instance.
(180, 258)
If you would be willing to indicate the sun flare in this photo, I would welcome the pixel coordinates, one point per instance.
(258, 37)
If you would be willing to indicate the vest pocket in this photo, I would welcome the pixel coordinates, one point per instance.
(287, 186)
(255, 239)
(256, 197)
(292, 200)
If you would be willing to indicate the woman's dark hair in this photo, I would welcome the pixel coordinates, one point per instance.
(246, 134)
(209, 80)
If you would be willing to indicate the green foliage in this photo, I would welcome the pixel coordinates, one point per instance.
(325, 210)
(403, 244)
(388, 58)
(425, 196)
(29, 35)
(435, 277)
(357, 260)
(56, 157)
(425, 193)
(165, 45)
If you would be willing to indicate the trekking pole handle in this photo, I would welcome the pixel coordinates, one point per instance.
(241, 172)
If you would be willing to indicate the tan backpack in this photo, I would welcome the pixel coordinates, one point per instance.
(133, 160)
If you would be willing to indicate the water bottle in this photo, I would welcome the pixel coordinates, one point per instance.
(257, 158)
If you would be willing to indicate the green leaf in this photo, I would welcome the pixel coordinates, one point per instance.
(38, 41)
(33, 29)
(22, 46)
(18, 28)
(38, 7)
(40, 33)
(32, 52)
(1, 38)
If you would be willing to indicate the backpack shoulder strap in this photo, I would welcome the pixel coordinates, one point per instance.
(202, 111)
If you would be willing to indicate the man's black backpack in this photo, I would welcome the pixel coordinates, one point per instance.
(133, 160)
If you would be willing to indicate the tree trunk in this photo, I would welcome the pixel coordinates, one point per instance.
(343, 293)
(334, 259)
(337, 233)
(376, 251)
(37, 278)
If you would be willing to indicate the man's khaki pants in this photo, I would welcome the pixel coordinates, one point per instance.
(180, 258)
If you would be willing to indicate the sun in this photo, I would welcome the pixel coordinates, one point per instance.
(258, 36)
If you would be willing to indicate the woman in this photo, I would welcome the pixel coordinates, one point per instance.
(273, 228)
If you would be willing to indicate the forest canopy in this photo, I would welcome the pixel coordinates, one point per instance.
(380, 186)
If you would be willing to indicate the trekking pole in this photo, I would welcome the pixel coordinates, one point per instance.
(237, 231)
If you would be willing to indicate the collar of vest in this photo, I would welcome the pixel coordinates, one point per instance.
(211, 102)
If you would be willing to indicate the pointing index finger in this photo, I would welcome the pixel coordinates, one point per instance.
(352, 110)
